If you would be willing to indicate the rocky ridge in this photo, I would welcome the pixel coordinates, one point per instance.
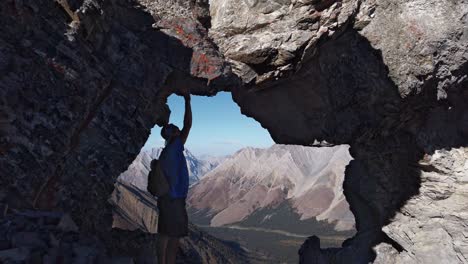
(308, 179)
(137, 172)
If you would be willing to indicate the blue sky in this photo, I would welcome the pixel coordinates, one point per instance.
(218, 126)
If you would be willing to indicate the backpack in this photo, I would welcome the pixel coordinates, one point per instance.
(157, 182)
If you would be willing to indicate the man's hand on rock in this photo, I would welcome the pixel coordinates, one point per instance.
(186, 94)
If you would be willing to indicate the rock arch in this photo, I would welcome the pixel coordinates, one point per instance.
(78, 99)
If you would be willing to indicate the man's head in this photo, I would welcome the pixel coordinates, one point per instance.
(154, 163)
(170, 131)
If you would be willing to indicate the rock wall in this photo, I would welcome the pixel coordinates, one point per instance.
(269, 39)
(428, 226)
(391, 81)
(82, 83)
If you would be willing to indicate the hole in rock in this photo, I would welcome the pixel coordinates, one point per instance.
(247, 192)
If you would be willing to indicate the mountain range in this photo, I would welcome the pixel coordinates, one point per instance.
(135, 209)
(262, 200)
(137, 172)
(264, 186)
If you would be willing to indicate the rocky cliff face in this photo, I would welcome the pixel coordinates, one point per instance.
(82, 83)
(268, 40)
(429, 223)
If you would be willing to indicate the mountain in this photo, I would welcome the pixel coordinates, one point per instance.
(137, 172)
(305, 183)
(135, 209)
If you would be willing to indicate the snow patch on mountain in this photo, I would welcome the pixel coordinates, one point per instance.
(137, 172)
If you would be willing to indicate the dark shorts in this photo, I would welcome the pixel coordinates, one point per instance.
(173, 219)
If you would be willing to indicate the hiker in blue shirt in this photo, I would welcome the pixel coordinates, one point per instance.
(173, 219)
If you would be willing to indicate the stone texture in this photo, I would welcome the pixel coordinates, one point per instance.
(421, 41)
(269, 39)
(353, 96)
(186, 21)
(133, 208)
(31, 239)
(64, 82)
(15, 254)
(433, 224)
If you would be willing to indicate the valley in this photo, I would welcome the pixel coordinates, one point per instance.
(277, 245)
(252, 201)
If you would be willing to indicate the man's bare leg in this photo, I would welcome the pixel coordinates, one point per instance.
(162, 248)
(171, 250)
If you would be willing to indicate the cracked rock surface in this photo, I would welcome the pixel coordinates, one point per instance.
(267, 40)
(428, 227)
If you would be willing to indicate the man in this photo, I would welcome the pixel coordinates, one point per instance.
(173, 220)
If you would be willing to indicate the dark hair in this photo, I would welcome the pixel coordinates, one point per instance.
(166, 131)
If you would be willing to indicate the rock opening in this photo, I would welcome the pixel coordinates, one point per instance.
(389, 78)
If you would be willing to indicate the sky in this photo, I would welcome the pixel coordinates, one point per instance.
(218, 127)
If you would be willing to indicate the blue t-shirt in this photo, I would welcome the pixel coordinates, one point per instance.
(175, 168)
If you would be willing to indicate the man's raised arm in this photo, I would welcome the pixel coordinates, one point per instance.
(187, 119)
